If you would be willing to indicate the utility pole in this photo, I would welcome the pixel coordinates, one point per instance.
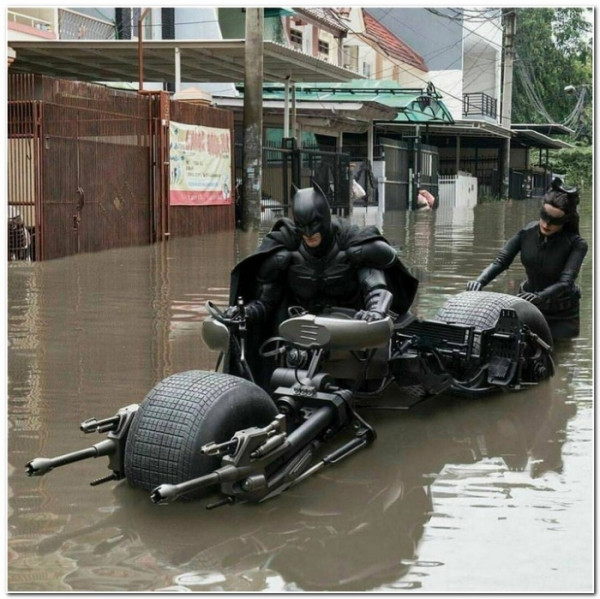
(253, 119)
(509, 19)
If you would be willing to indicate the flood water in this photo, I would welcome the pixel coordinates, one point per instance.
(494, 495)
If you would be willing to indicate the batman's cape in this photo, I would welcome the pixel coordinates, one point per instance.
(243, 282)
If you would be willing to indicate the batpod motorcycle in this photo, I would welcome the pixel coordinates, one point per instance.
(273, 414)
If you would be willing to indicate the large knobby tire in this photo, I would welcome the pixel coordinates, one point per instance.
(181, 414)
(481, 309)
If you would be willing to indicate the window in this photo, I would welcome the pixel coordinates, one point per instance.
(126, 22)
(296, 38)
(323, 48)
(351, 57)
(366, 69)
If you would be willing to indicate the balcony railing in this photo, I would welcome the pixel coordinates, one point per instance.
(28, 21)
(480, 104)
(74, 25)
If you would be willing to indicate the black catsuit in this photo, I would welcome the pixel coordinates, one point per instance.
(552, 264)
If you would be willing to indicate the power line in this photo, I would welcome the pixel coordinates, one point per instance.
(448, 94)
(477, 16)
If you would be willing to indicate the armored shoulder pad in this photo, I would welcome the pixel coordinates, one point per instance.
(375, 254)
(274, 265)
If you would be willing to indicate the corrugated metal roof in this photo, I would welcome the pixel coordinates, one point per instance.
(535, 139)
(393, 46)
(323, 15)
(545, 128)
(201, 60)
(349, 117)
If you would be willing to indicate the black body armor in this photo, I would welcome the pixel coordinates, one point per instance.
(340, 278)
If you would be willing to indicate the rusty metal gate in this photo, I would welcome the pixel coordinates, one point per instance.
(96, 175)
(22, 169)
(80, 165)
(192, 220)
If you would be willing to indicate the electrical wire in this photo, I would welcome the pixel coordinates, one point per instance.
(481, 16)
(360, 35)
(414, 75)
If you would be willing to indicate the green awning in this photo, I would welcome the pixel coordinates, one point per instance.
(414, 105)
(277, 12)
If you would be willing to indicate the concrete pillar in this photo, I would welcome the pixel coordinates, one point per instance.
(253, 119)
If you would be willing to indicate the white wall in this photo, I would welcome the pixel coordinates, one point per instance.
(482, 46)
(487, 31)
(449, 84)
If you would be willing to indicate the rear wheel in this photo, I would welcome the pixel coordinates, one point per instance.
(181, 414)
(481, 309)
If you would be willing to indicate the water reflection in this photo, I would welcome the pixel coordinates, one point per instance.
(91, 333)
(316, 536)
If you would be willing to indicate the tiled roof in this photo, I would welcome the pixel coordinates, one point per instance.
(323, 15)
(391, 44)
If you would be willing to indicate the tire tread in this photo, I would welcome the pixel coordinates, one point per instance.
(163, 442)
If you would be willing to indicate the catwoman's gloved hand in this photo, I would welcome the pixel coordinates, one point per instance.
(530, 297)
(474, 286)
(379, 302)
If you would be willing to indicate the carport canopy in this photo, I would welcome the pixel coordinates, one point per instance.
(200, 61)
(411, 105)
(324, 117)
(530, 138)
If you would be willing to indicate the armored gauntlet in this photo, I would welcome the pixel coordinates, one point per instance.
(378, 304)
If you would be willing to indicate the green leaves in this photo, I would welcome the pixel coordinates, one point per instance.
(553, 49)
(576, 164)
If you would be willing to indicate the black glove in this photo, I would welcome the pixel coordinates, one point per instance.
(378, 302)
(530, 297)
(474, 286)
(232, 312)
(255, 311)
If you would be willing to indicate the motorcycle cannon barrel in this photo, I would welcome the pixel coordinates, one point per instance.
(41, 466)
(166, 493)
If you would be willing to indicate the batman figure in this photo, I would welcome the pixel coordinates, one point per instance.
(317, 262)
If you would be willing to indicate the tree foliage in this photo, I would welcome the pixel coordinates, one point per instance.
(553, 49)
(575, 164)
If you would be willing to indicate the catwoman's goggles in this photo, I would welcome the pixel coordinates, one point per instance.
(552, 220)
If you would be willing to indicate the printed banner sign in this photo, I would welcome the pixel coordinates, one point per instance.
(200, 165)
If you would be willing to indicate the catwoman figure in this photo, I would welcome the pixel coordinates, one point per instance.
(552, 252)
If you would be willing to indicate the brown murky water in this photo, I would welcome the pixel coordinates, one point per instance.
(489, 495)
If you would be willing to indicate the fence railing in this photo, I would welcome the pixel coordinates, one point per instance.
(457, 190)
(480, 104)
(457, 198)
(283, 168)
